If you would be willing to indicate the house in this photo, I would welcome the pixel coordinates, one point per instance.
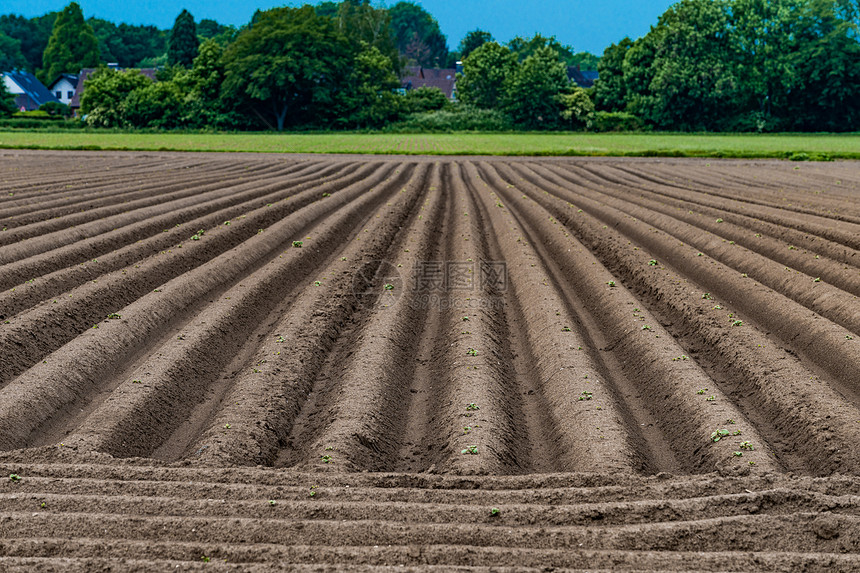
(29, 92)
(63, 87)
(582, 78)
(85, 73)
(420, 77)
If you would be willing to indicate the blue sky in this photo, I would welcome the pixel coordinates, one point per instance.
(584, 24)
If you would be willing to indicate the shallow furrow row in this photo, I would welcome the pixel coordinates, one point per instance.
(44, 327)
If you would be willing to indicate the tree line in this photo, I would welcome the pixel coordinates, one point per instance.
(713, 65)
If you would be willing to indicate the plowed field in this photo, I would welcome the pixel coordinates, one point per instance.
(236, 362)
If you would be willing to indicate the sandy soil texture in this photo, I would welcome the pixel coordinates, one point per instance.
(233, 362)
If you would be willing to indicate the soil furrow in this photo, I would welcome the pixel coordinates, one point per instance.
(34, 241)
(645, 349)
(153, 398)
(780, 391)
(800, 530)
(90, 357)
(122, 191)
(317, 363)
(838, 306)
(32, 335)
(352, 419)
(45, 274)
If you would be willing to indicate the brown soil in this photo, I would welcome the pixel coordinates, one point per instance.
(233, 400)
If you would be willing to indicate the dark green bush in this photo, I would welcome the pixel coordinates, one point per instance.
(613, 121)
(457, 118)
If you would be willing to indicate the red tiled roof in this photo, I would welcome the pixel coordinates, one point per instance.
(419, 77)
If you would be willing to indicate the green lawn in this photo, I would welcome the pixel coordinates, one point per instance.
(816, 146)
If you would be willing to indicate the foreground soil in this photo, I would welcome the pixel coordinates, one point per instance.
(316, 363)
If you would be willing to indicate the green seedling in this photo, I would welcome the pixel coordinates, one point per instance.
(297, 244)
(388, 286)
(700, 254)
(730, 421)
(706, 296)
(137, 381)
(702, 391)
(586, 395)
(227, 426)
(565, 329)
(738, 323)
(711, 398)
(746, 445)
(494, 512)
(682, 357)
(467, 429)
(281, 339)
(313, 491)
(736, 433)
(114, 316)
(197, 235)
(327, 459)
(272, 502)
(326, 194)
(471, 450)
(472, 406)
(719, 220)
(611, 283)
(738, 454)
(652, 262)
(14, 478)
(718, 435)
(849, 337)
(317, 283)
(472, 352)
(465, 318)
(646, 327)
(816, 280)
(205, 559)
(226, 223)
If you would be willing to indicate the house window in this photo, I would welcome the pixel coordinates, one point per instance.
(70, 95)
(59, 95)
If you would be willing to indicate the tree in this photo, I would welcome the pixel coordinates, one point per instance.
(610, 90)
(576, 108)
(32, 33)
(525, 47)
(484, 74)
(532, 90)
(826, 92)
(156, 104)
(128, 45)
(7, 100)
(105, 92)
(370, 100)
(183, 43)
(363, 25)
(585, 61)
(11, 57)
(290, 61)
(418, 35)
(72, 45)
(208, 28)
(472, 41)
(694, 84)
